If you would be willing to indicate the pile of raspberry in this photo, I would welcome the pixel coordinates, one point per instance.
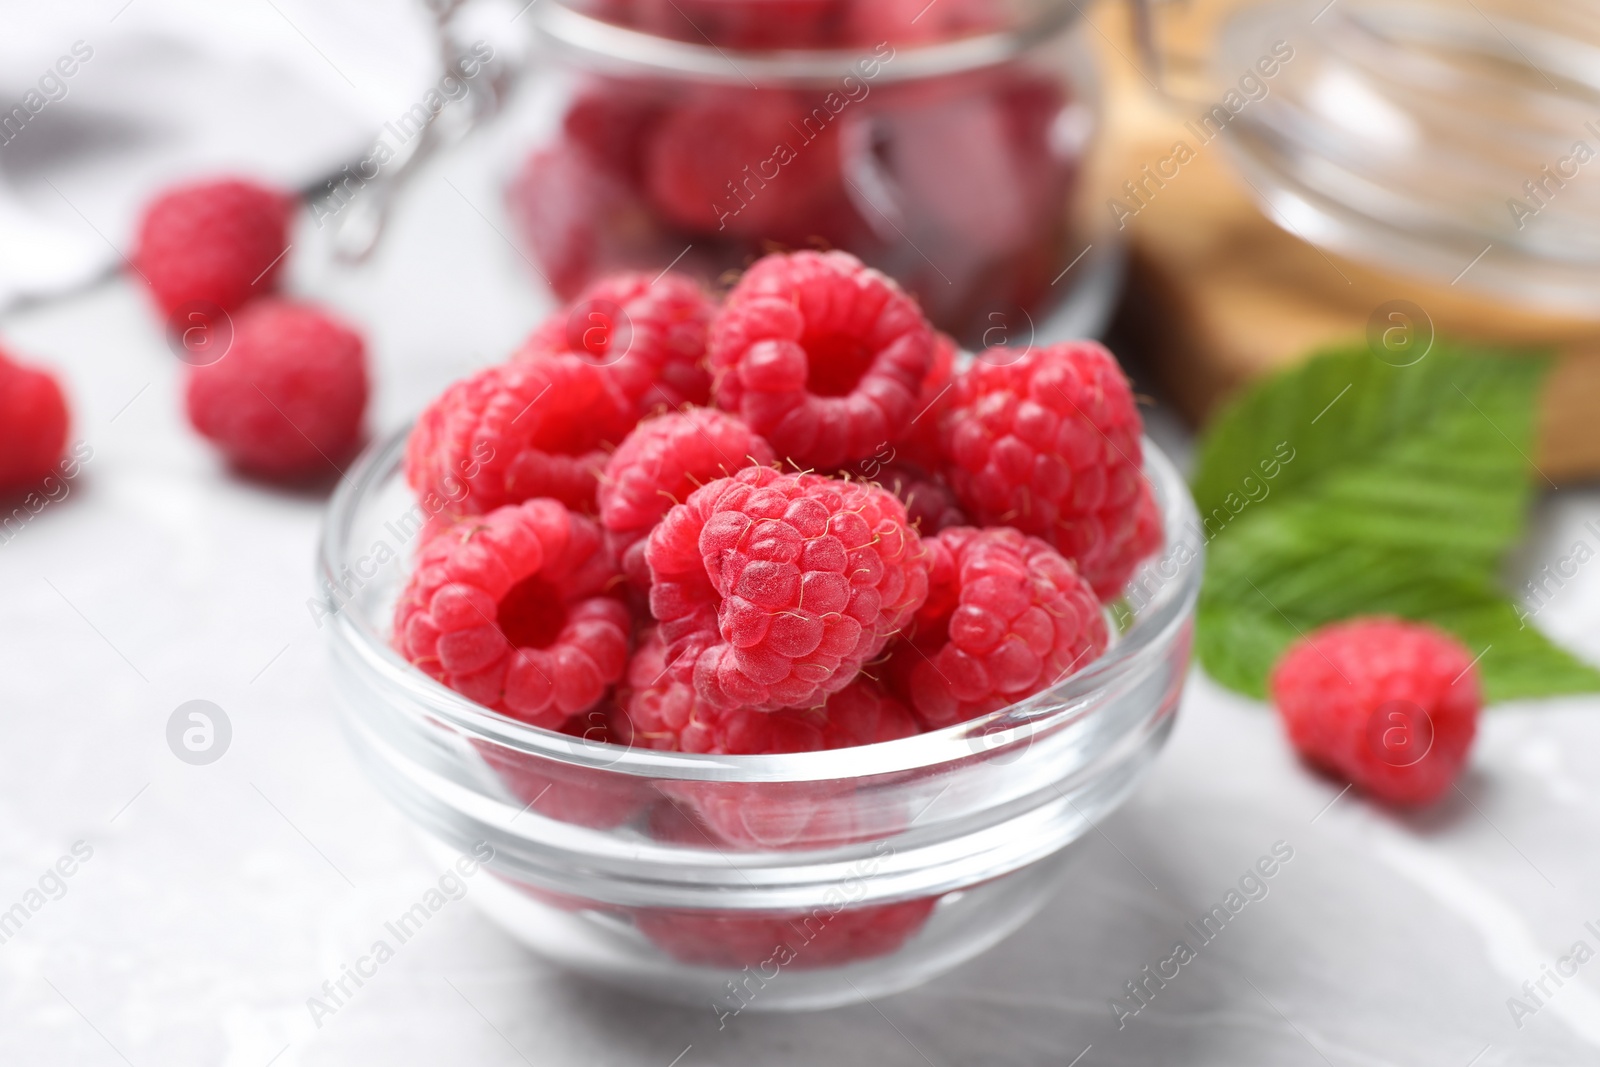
(783, 521)
(970, 171)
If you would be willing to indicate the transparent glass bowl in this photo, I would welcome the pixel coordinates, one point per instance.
(753, 882)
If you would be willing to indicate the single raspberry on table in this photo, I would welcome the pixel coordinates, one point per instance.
(509, 609)
(33, 425)
(219, 241)
(647, 332)
(512, 432)
(930, 504)
(1387, 704)
(286, 400)
(1047, 440)
(661, 712)
(658, 465)
(773, 589)
(822, 356)
(1006, 617)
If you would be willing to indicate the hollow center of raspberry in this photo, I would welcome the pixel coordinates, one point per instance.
(531, 614)
(835, 364)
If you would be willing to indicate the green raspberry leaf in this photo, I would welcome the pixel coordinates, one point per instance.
(1346, 486)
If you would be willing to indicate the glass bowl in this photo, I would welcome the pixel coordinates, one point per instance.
(785, 882)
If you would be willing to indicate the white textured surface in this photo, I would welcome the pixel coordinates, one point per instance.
(219, 898)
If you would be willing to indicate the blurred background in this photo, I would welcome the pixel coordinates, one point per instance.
(1217, 188)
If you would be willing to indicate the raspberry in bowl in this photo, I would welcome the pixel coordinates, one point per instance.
(798, 733)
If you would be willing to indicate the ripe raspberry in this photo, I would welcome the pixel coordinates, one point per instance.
(286, 400)
(919, 444)
(661, 712)
(648, 333)
(33, 426)
(1006, 617)
(1048, 441)
(799, 940)
(821, 355)
(611, 119)
(1387, 704)
(658, 465)
(529, 428)
(507, 609)
(930, 505)
(221, 241)
(743, 165)
(773, 589)
(577, 218)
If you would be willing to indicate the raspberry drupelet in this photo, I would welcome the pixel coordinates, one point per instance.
(658, 465)
(1006, 617)
(218, 241)
(822, 356)
(772, 590)
(1048, 441)
(509, 609)
(525, 429)
(1389, 705)
(647, 333)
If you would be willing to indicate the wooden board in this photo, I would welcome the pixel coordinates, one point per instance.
(1219, 295)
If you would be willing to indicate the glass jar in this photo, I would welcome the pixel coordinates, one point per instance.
(752, 882)
(942, 143)
(1445, 141)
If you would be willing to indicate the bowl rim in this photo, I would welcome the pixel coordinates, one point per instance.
(1169, 608)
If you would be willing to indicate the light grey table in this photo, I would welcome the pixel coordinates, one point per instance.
(218, 898)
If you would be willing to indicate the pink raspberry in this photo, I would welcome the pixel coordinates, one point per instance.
(658, 465)
(773, 589)
(822, 356)
(1006, 617)
(930, 505)
(740, 164)
(577, 218)
(508, 610)
(286, 399)
(1387, 704)
(648, 333)
(798, 940)
(659, 711)
(33, 426)
(220, 241)
(529, 428)
(1048, 441)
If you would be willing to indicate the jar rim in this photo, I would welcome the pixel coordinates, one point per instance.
(1171, 598)
(620, 50)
